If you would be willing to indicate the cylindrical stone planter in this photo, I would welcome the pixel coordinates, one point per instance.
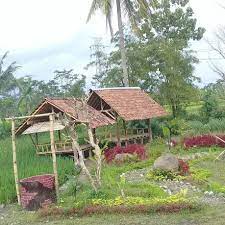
(37, 191)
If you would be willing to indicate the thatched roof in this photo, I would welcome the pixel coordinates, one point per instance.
(128, 103)
(43, 127)
(75, 109)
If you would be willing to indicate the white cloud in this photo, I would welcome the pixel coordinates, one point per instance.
(44, 35)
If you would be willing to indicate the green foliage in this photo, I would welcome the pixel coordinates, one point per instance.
(178, 198)
(73, 184)
(213, 126)
(156, 128)
(145, 190)
(5, 129)
(29, 164)
(159, 175)
(216, 187)
(212, 106)
(200, 175)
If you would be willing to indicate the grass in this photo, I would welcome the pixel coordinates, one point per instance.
(29, 164)
(206, 216)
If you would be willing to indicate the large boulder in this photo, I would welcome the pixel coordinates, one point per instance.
(167, 162)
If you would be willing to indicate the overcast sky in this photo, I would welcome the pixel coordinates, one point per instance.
(45, 35)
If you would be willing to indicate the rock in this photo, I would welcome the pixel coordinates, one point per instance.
(2, 206)
(211, 193)
(167, 162)
(120, 158)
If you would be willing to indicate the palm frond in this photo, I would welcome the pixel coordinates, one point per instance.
(108, 5)
(129, 9)
(9, 70)
(95, 5)
(2, 61)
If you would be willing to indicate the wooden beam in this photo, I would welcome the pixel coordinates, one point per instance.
(15, 163)
(53, 151)
(28, 117)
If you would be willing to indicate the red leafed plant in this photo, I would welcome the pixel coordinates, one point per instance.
(139, 150)
(183, 167)
(204, 141)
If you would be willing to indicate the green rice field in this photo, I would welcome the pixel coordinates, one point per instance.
(29, 164)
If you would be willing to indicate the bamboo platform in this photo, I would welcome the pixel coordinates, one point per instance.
(65, 147)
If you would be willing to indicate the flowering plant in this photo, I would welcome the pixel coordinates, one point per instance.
(133, 149)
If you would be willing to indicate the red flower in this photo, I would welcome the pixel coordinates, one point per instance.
(139, 150)
(183, 167)
(204, 141)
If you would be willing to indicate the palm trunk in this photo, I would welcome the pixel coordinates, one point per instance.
(122, 45)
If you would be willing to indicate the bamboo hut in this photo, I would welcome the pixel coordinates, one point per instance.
(130, 104)
(74, 109)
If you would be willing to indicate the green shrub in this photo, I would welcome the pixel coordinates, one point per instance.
(178, 198)
(158, 175)
(200, 175)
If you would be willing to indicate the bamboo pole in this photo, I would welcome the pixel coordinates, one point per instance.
(51, 119)
(15, 162)
(27, 117)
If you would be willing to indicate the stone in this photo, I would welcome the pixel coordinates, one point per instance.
(2, 206)
(123, 157)
(167, 162)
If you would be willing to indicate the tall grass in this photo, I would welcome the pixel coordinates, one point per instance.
(213, 126)
(29, 164)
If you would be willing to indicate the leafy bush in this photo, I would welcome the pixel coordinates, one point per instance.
(183, 167)
(134, 149)
(156, 128)
(158, 175)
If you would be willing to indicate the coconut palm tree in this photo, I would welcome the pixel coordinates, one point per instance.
(6, 76)
(133, 9)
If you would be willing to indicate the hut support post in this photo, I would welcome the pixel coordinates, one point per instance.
(125, 132)
(15, 162)
(51, 119)
(118, 132)
(59, 135)
(149, 130)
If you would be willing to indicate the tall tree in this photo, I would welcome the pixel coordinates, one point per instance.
(70, 83)
(8, 87)
(7, 80)
(134, 11)
(99, 61)
(159, 58)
